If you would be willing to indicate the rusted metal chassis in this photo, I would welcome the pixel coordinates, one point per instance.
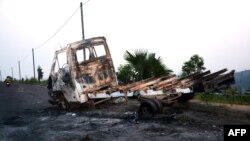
(151, 105)
(95, 73)
(96, 79)
(167, 89)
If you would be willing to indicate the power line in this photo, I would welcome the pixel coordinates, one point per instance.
(54, 33)
(25, 57)
(57, 30)
(60, 27)
(85, 2)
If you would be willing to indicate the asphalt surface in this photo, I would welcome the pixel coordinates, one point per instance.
(18, 98)
(25, 115)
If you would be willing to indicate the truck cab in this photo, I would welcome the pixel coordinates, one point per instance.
(81, 67)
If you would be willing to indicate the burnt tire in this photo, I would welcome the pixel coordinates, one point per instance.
(147, 109)
(158, 104)
(64, 105)
(185, 97)
(49, 86)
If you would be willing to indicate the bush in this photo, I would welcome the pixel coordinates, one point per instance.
(224, 98)
(34, 81)
(206, 97)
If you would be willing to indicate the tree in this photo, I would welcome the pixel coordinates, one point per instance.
(40, 73)
(195, 64)
(248, 91)
(141, 65)
(126, 73)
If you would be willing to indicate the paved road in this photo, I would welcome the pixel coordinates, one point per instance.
(18, 98)
(27, 116)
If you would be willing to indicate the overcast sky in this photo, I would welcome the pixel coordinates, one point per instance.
(217, 30)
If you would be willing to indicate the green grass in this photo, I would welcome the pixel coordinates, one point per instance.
(34, 81)
(223, 98)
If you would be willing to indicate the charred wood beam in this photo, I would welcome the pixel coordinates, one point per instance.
(102, 101)
(213, 75)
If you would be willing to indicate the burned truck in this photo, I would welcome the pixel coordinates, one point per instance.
(83, 73)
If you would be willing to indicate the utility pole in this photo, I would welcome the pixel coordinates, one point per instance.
(0, 76)
(33, 62)
(83, 37)
(12, 72)
(19, 70)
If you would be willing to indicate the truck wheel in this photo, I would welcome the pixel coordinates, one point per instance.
(49, 86)
(185, 97)
(158, 105)
(147, 109)
(64, 105)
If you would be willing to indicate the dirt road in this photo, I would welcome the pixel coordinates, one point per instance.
(26, 115)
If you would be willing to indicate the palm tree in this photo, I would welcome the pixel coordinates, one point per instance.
(145, 64)
(125, 74)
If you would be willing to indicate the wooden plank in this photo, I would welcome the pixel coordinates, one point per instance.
(141, 86)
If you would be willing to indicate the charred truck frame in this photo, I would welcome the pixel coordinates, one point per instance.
(83, 73)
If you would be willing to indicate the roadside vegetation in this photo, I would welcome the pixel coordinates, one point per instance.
(34, 81)
(141, 65)
(195, 64)
(229, 96)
